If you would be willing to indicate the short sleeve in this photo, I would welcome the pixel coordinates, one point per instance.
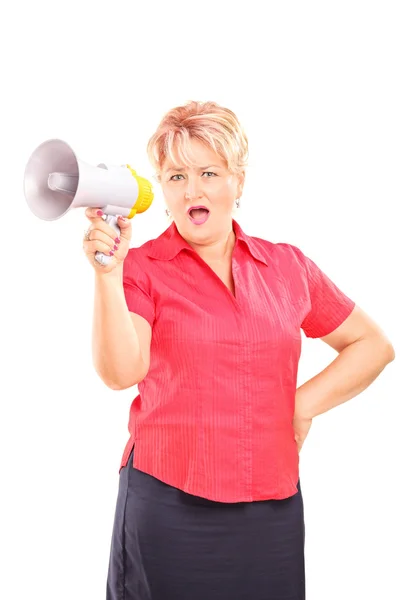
(137, 289)
(329, 305)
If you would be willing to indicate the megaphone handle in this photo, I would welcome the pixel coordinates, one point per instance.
(102, 258)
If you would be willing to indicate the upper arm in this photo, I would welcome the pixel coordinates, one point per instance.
(144, 333)
(140, 302)
(333, 316)
(328, 306)
(357, 326)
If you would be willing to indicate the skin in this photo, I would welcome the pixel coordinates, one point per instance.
(363, 352)
(363, 349)
(103, 239)
(214, 187)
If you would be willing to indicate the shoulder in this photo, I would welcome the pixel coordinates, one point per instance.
(137, 263)
(139, 253)
(280, 254)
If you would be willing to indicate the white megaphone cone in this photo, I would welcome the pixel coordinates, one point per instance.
(56, 181)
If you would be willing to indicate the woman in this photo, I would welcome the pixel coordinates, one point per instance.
(206, 320)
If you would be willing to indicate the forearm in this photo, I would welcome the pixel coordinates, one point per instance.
(352, 371)
(115, 344)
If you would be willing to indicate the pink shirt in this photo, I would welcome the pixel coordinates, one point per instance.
(214, 414)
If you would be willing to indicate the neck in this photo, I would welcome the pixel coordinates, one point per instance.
(218, 251)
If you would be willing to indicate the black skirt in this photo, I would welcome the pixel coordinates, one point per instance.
(170, 545)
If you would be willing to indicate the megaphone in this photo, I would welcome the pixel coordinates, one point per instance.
(56, 181)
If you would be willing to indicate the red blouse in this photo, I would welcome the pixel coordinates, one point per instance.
(214, 414)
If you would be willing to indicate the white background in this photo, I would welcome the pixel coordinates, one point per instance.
(316, 86)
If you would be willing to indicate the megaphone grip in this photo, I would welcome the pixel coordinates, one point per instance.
(102, 258)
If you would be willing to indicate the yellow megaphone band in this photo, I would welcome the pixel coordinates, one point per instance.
(145, 195)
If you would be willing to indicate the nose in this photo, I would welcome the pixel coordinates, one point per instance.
(193, 188)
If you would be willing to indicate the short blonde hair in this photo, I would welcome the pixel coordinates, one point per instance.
(208, 122)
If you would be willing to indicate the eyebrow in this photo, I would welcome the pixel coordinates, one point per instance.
(200, 168)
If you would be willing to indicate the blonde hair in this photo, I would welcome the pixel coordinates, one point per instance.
(208, 122)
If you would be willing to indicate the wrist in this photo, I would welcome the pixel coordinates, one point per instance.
(116, 275)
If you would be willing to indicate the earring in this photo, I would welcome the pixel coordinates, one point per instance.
(237, 202)
(168, 212)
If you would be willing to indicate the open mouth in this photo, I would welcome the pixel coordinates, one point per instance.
(198, 215)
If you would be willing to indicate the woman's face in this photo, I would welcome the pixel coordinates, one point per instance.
(210, 185)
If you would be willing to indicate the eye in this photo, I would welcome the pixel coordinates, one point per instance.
(208, 173)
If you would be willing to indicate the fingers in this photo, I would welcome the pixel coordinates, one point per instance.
(101, 242)
(100, 229)
(125, 226)
(102, 237)
(94, 214)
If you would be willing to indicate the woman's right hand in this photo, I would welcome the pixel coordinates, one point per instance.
(103, 238)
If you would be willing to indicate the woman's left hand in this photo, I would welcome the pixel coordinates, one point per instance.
(301, 426)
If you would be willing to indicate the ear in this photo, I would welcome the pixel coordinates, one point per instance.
(241, 180)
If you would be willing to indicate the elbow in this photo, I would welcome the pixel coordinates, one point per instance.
(119, 383)
(113, 384)
(119, 386)
(388, 350)
(385, 350)
(382, 348)
(390, 353)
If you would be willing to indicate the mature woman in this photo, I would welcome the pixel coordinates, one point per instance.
(206, 320)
